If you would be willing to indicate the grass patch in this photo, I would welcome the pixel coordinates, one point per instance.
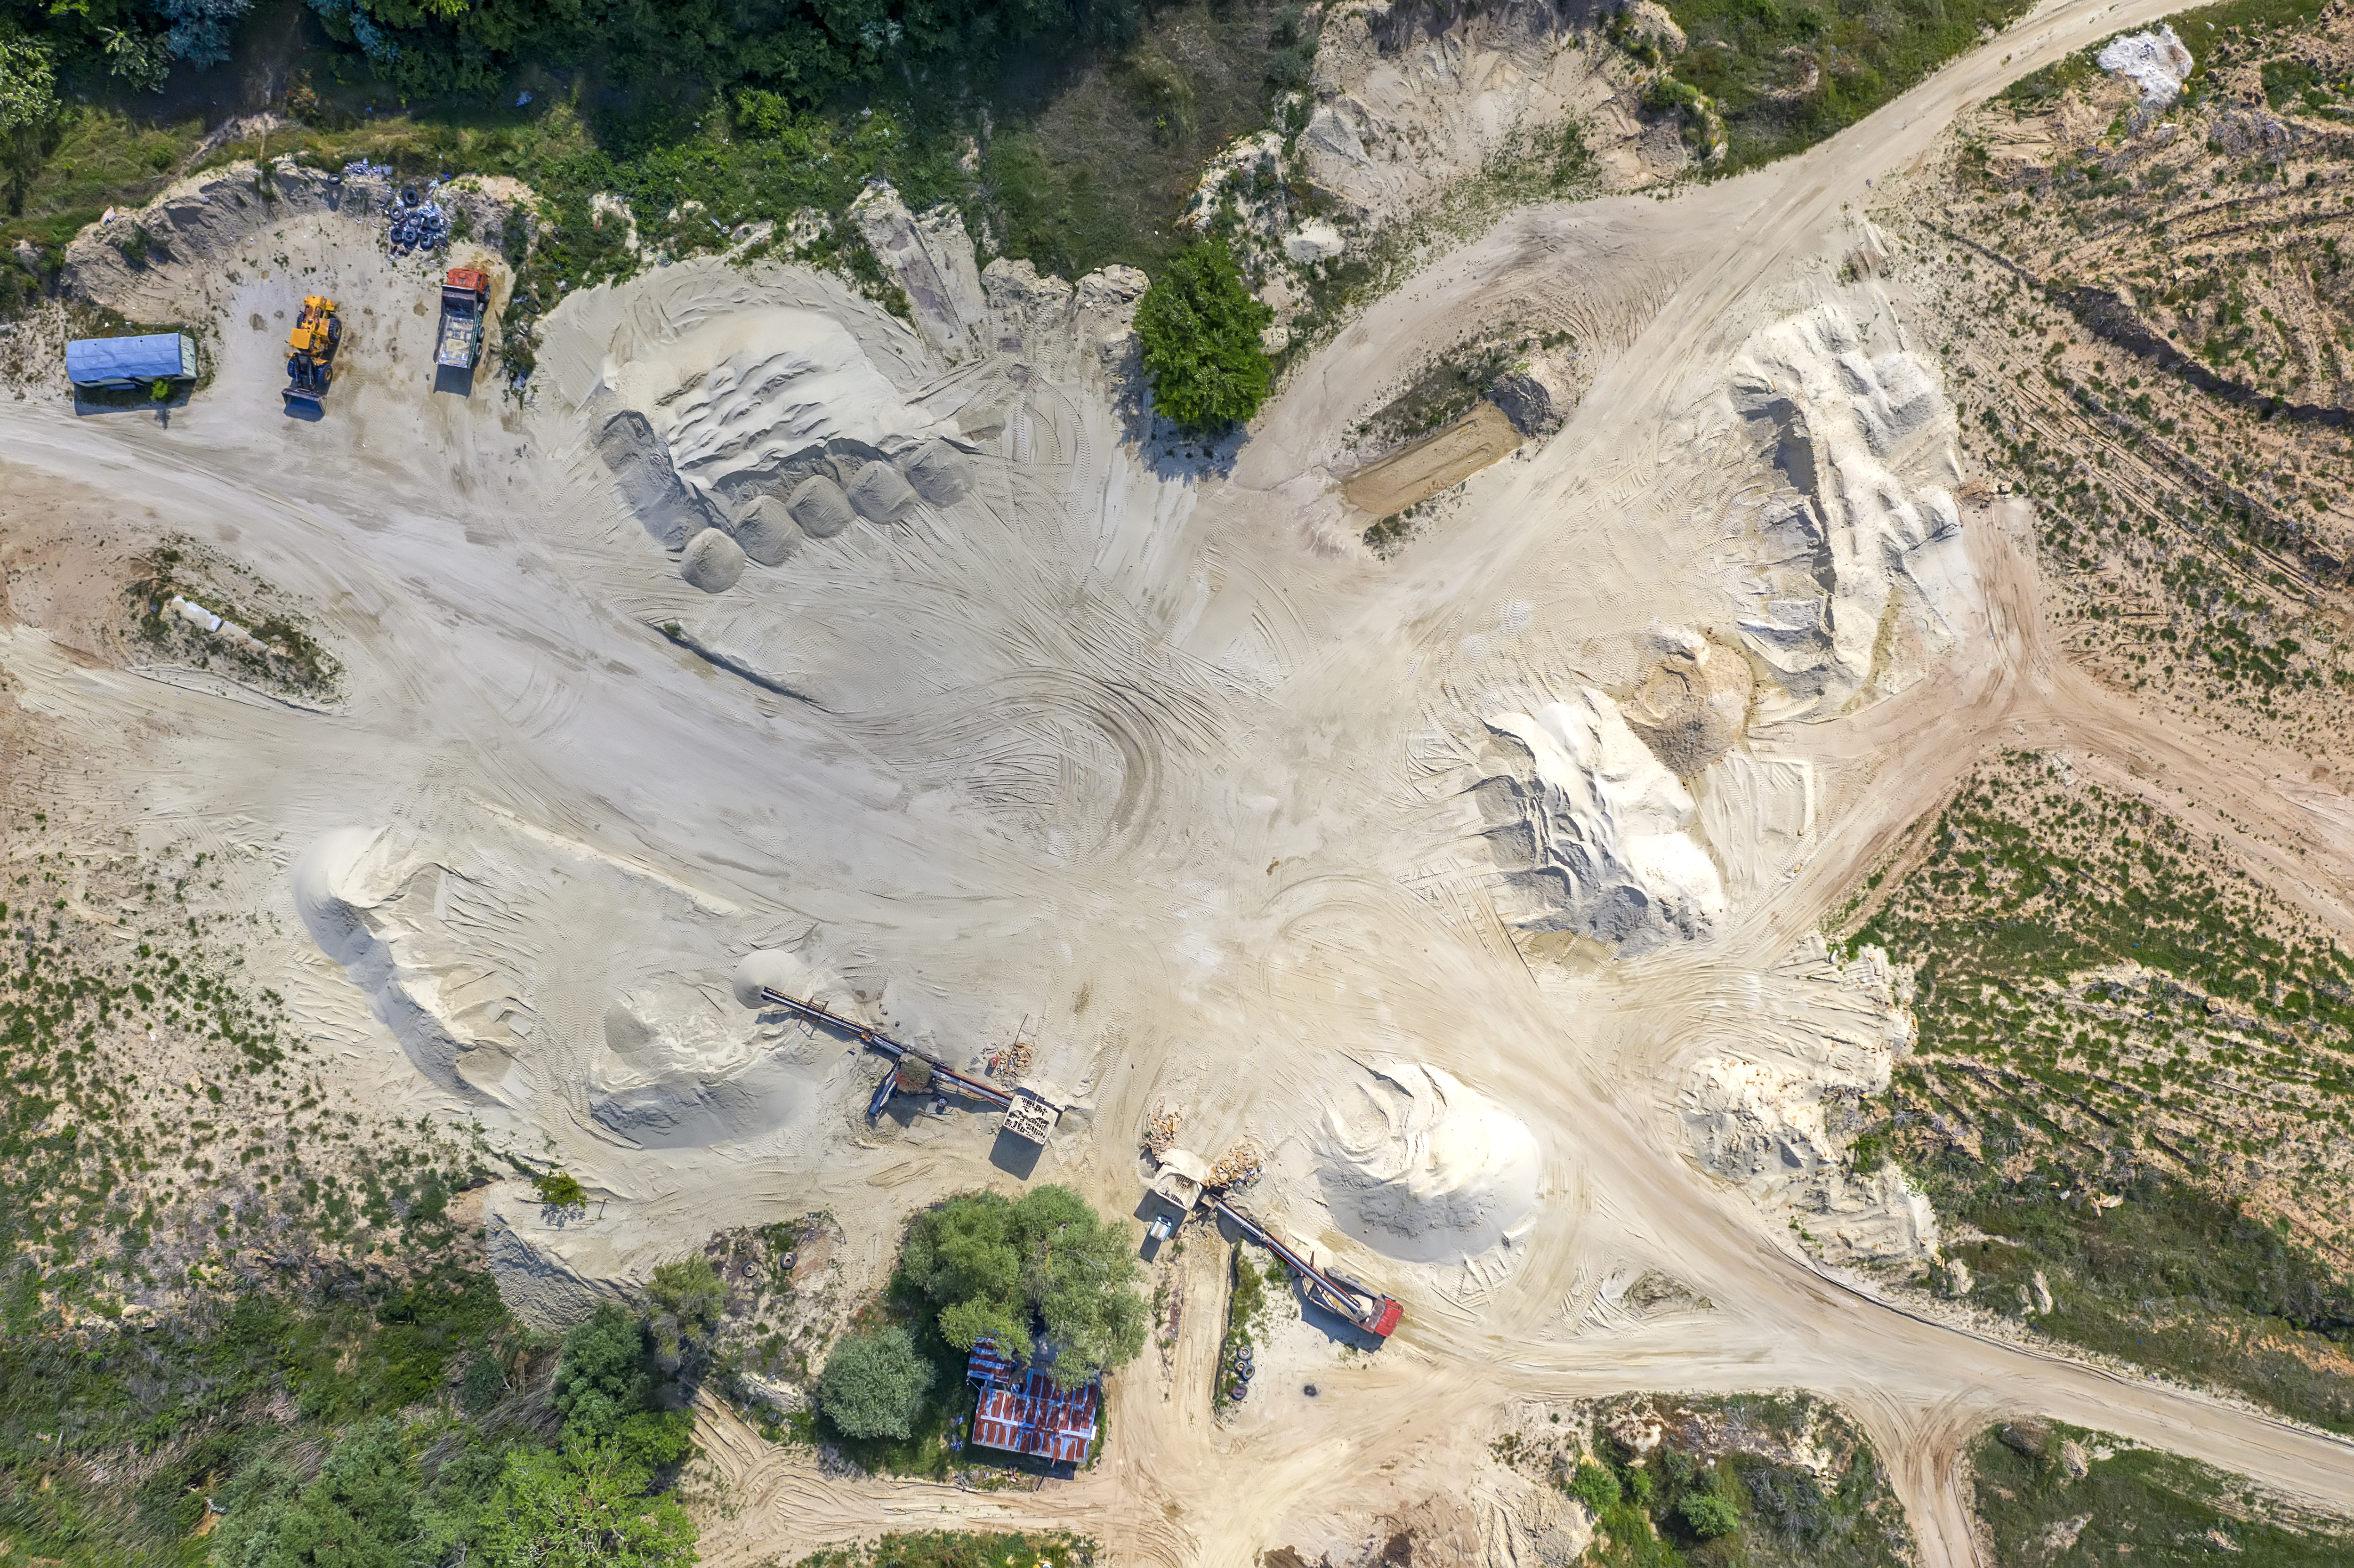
(1790, 74)
(1094, 168)
(2054, 1493)
(960, 1549)
(1249, 1310)
(92, 158)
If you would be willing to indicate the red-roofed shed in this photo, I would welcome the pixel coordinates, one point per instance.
(1022, 1411)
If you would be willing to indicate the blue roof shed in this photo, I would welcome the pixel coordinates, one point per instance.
(130, 361)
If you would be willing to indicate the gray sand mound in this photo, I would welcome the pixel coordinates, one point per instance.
(776, 475)
(821, 508)
(641, 463)
(880, 495)
(768, 532)
(714, 562)
(939, 473)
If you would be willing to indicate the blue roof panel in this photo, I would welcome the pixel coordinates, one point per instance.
(93, 360)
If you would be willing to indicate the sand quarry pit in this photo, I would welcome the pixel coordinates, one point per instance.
(777, 642)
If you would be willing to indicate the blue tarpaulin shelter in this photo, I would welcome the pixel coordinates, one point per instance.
(130, 361)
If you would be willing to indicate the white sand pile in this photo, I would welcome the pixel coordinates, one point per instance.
(822, 509)
(733, 395)
(783, 971)
(677, 1073)
(1590, 830)
(1821, 1035)
(2156, 62)
(1860, 556)
(640, 464)
(363, 905)
(878, 494)
(938, 472)
(1423, 1167)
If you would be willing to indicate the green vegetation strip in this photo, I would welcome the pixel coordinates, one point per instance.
(1785, 75)
(2063, 1495)
(956, 1549)
(2135, 1072)
(1707, 1497)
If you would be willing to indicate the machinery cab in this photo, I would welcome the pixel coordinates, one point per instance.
(310, 350)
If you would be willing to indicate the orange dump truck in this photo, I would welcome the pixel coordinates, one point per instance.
(465, 299)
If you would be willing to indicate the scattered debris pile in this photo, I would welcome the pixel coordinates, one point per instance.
(1237, 1168)
(417, 223)
(1161, 1128)
(1011, 1064)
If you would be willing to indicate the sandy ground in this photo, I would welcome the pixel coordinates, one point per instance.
(1436, 462)
(1153, 762)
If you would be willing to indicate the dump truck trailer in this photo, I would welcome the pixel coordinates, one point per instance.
(1338, 1294)
(465, 299)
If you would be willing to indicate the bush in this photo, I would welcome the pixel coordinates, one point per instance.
(684, 1304)
(1200, 331)
(1595, 1487)
(991, 1265)
(605, 1390)
(874, 1385)
(363, 1508)
(585, 1510)
(559, 1190)
(1708, 1515)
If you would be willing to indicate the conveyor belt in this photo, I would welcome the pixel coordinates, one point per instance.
(892, 1048)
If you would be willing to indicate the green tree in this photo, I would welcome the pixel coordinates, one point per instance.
(1708, 1515)
(990, 1264)
(559, 1190)
(685, 1302)
(874, 1384)
(361, 1511)
(1595, 1487)
(600, 1376)
(1200, 329)
(605, 1390)
(1080, 1271)
(28, 85)
(585, 1508)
